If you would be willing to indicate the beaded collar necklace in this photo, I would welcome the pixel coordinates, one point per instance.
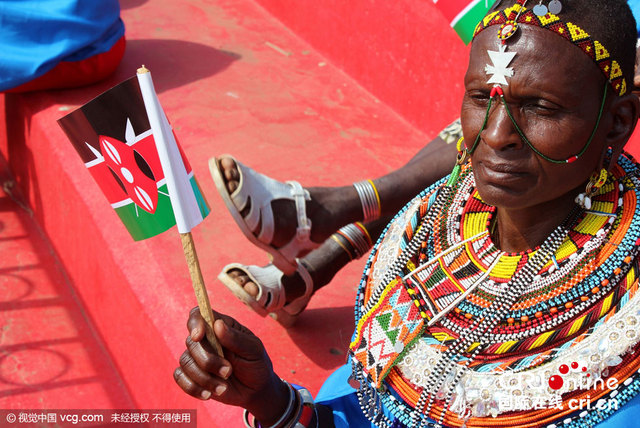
(446, 369)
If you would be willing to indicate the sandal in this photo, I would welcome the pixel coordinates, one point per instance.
(271, 298)
(262, 190)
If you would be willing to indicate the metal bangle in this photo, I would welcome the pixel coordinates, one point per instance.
(369, 198)
(360, 242)
(293, 400)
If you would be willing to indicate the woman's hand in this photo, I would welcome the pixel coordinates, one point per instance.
(244, 378)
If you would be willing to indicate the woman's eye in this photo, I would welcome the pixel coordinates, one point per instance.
(480, 98)
(540, 107)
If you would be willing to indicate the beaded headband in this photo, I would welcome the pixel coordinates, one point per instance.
(509, 18)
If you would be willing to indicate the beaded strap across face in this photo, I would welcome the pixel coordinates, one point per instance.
(509, 18)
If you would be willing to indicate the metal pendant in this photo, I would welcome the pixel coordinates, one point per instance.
(555, 7)
(540, 9)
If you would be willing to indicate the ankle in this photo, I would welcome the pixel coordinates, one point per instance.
(331, 208)
(294, 286)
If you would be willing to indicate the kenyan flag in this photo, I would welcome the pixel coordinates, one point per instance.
(112, 135)
(464, 15)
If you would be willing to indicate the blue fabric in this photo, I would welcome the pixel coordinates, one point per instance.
(627, 416)
(635, 9)
(35, 35)
(341, 397)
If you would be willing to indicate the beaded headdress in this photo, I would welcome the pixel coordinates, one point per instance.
(509, 18)
(543, 17)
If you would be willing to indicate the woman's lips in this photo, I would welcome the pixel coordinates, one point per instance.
(501, 172)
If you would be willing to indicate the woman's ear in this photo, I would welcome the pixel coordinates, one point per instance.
(624, 111)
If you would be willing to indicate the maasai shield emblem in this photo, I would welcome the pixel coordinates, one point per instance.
(112, 135)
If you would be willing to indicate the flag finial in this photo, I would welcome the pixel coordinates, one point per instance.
(143, 70)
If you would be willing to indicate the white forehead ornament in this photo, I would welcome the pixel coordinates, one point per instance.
(500, 69)
(501, 59)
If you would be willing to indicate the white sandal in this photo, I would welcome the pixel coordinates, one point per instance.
(262, 190)
(271, 298)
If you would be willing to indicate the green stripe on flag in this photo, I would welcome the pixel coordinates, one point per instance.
(141, 224)
(202, 203)
(466, 24)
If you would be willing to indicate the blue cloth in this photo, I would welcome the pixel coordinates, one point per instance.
(35, 35)
(341, 397)
(635, 9)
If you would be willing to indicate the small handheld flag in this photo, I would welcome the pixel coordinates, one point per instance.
(464, 15)
(113, 136)
(128, 146)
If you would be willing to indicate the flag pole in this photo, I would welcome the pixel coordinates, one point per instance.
(200, 290)
(180, 195)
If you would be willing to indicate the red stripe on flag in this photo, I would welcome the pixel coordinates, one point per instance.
(147, 149)
(109, 186)
(451, 8)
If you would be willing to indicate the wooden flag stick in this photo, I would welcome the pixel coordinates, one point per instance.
(200, 290)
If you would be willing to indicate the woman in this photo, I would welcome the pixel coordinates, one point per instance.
(505, 294)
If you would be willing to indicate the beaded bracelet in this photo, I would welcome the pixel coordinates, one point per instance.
(369, 198)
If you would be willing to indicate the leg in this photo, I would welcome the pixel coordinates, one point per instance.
(263, 287)
(430, 164)
(331, 208)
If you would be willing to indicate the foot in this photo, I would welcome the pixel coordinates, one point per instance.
(294, 284)
(322, 265)
(328, 209)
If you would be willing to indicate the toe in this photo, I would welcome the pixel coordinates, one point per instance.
(230, 173)
(251, 288)
(242, 279)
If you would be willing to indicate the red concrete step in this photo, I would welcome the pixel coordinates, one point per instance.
(51, 356)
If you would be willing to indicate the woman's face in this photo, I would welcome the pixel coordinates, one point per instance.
(554, 95)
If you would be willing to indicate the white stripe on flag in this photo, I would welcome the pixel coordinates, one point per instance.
(464, 11)
(183, 200)
(142, 136)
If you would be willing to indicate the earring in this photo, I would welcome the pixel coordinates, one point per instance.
(596, 181)
(462, 153)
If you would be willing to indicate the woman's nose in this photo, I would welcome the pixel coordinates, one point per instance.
(500, 132)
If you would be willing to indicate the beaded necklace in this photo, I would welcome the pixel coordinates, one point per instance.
(588, 290)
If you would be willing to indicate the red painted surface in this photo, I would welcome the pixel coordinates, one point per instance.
(403, 52)
(232, 79)
(50, 355)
